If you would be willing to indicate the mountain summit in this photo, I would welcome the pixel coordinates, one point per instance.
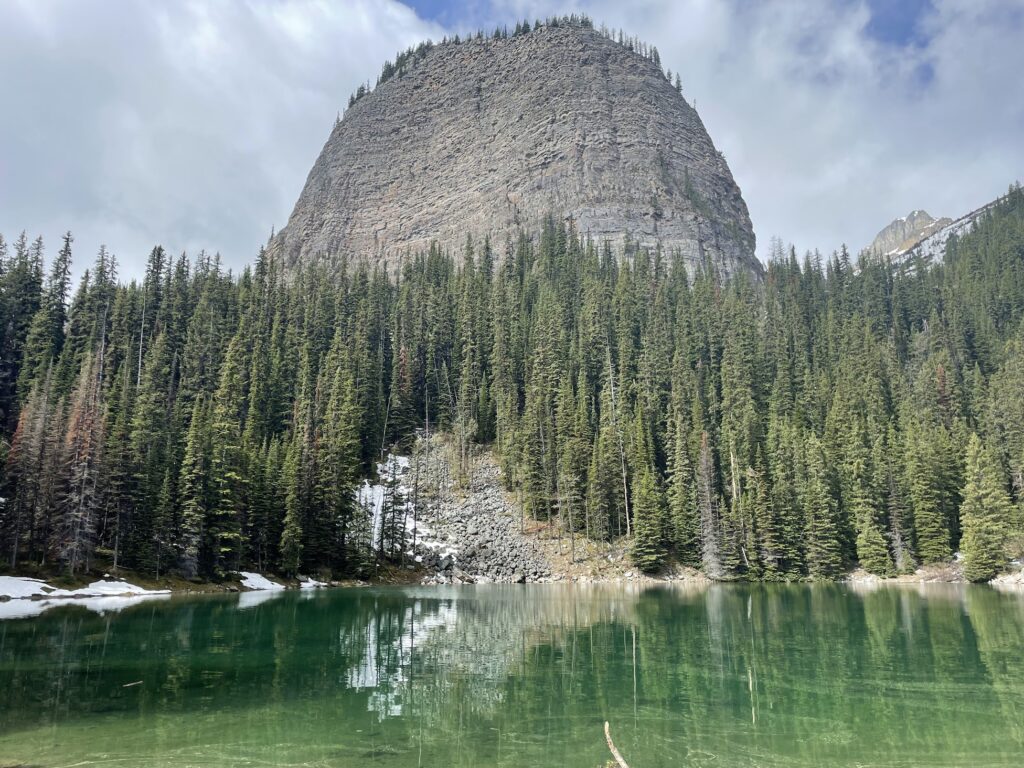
(906, 232)
(487, 136)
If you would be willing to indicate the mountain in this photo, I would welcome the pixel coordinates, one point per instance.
(931, 246)
(905, 232)
(487, 136)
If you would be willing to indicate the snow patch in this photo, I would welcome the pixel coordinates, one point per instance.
(18, 586)
(373, 496)
(259, 582)
(393, 473)
(308, 583)
(22, 587)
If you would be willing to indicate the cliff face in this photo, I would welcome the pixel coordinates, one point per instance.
(906, 232)
(486, 137)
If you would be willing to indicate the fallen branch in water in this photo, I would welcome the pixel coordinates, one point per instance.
(615, 753)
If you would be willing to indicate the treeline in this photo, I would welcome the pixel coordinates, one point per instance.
(406, 60)
(836, 413)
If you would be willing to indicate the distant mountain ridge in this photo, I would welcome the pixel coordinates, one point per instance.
(932, 246)
(920, 235)
(906, 232)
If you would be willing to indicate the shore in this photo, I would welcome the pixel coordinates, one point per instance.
(469, 534)
(24, 596)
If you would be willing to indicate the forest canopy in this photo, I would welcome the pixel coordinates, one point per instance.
(841, 411)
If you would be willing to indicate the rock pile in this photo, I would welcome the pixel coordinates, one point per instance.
(471, 535)
(485, 530)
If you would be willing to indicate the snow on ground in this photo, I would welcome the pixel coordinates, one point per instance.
(308, 582)
(418, 535)
(31, 597)
(372, 496)
(22, 587)
(424, 537)
(115, 589)
(19, 586)
(257, 581)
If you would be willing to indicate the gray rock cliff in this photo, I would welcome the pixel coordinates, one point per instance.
(905, 233)
(486, 137)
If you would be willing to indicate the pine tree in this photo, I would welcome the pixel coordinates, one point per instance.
(292, 534)
(986, 513)
(824, 559)
(650, 514)
(339, 470)
(647, 550)
(229, 476)
(685, 521)
(81, 496)
(767, 551)
(45, 337)
(708, 505)
(872, 550)
(194, 486)
(924, 479)
(24, 473)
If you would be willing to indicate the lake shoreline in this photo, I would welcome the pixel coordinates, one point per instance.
(53, 588)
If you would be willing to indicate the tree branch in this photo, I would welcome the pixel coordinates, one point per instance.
(611, 746)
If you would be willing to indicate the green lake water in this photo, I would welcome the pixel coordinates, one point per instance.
(725, 676)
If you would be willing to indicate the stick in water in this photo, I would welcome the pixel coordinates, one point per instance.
(611, 746)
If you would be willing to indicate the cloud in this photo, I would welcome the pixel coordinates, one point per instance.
(194, 124)
(191, 124)
(831, 129)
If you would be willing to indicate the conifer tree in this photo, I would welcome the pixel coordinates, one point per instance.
(81, 495)
(986, 514)
(685, 523)
(194, 486)
(924, 479)
(708, 505)
(650, 514)
(45, 337)
(824, 559)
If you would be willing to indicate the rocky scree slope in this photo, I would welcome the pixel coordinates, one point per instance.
(477, 533)
(487, 137)
(482, 529)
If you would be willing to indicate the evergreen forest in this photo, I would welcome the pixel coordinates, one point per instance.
(841, 411)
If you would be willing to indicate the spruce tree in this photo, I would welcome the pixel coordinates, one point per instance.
(194, 487)
(986, 513)
(924, 479)
(824, 558)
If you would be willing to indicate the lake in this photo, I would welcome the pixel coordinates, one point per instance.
(726, 675)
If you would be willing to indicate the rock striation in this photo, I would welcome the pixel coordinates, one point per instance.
(489, 136)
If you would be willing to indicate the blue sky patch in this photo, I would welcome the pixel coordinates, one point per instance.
(896, 22)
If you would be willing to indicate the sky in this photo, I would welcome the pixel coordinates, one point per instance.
(193, 124)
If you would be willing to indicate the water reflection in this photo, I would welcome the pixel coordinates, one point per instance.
(513, 675)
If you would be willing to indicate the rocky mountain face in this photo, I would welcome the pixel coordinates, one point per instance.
(924, 237)
(931, 246)
(488, 136)
(906, 232)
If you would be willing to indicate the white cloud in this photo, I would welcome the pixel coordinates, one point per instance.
(194, 124)
(191, 124)
(830, 133)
